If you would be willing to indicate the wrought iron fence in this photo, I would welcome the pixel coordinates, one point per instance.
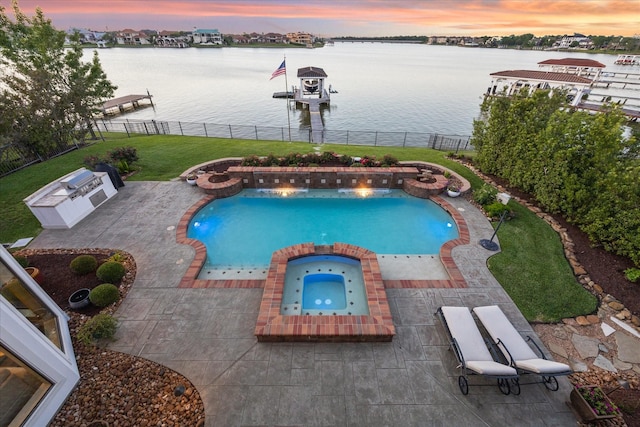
(345, 137)
(14, 156)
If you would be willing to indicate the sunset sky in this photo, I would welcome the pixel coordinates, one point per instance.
(348, 17)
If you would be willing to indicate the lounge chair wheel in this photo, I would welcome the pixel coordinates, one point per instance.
(503, 384)
(463, 384)
(515, 386)
(551, 383)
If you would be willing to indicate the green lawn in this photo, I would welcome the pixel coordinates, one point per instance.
(534, 272)
(531, 268)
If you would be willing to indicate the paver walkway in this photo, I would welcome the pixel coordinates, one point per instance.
(207, 335)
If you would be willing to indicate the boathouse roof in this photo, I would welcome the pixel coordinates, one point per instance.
(311, 72)
(573, 62)
(542, 76)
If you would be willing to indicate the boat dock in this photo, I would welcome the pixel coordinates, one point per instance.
(125, 103)
(313, 104)
(312, 93)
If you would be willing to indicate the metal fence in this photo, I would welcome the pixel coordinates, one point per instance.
(344, 137)
(14, 156)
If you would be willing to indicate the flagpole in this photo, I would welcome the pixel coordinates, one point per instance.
(286, 91)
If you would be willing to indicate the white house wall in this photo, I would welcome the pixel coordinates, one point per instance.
(20, 337)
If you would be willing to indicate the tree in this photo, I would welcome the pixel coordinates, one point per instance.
(601, 42)
(48, 94)
(574, 163)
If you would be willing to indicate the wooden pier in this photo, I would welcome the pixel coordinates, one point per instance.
(125, 103)
(312, 85)
(283, 94)
(313, 104)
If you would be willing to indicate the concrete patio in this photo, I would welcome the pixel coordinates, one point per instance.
(207, 335)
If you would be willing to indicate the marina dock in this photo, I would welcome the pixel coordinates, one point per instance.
(125, 103)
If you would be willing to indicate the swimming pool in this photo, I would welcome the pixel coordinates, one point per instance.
(324, 285)
(244, 230)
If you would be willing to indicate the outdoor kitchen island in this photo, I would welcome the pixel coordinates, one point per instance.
(66, 201)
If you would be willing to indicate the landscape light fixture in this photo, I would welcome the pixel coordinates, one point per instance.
(490, 244)
(179, 390)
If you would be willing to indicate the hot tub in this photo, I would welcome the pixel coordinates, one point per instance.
(322, 285)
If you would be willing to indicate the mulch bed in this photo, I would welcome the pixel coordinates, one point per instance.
(59, 282)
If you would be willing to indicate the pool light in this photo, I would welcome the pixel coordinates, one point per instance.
(283, 192)
(364, 192)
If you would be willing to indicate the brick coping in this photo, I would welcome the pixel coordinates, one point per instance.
(273, 326)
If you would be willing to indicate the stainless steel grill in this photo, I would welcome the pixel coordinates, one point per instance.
(80, 184)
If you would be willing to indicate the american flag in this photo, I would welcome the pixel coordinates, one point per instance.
(282, 69)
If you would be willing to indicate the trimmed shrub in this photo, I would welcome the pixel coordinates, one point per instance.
(271, 160)
(128, 154)
(22, 260)
(389, 160)
(104, 295)
(92, 161)
(485, 195)
(111, 272)
(494, 210)
(117, 257)
(313, 158)
(632, 274)
(293, 159)
(346, 160)
(327, 157)
(123, 167)
(98, 327)
(84, 264)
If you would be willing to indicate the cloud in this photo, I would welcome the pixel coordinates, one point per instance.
(352, 17)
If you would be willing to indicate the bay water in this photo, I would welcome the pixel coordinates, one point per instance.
(391, 87)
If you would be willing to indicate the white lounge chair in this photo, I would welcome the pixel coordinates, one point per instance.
(516, 350)
(472, 352)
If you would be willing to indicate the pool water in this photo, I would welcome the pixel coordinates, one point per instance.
(323, 291)
(244, 230)
(324, 285)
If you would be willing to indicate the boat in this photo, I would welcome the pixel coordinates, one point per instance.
(627, 60)
(311, 85)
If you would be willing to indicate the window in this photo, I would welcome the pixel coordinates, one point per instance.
(21, 388)
(29, 305)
